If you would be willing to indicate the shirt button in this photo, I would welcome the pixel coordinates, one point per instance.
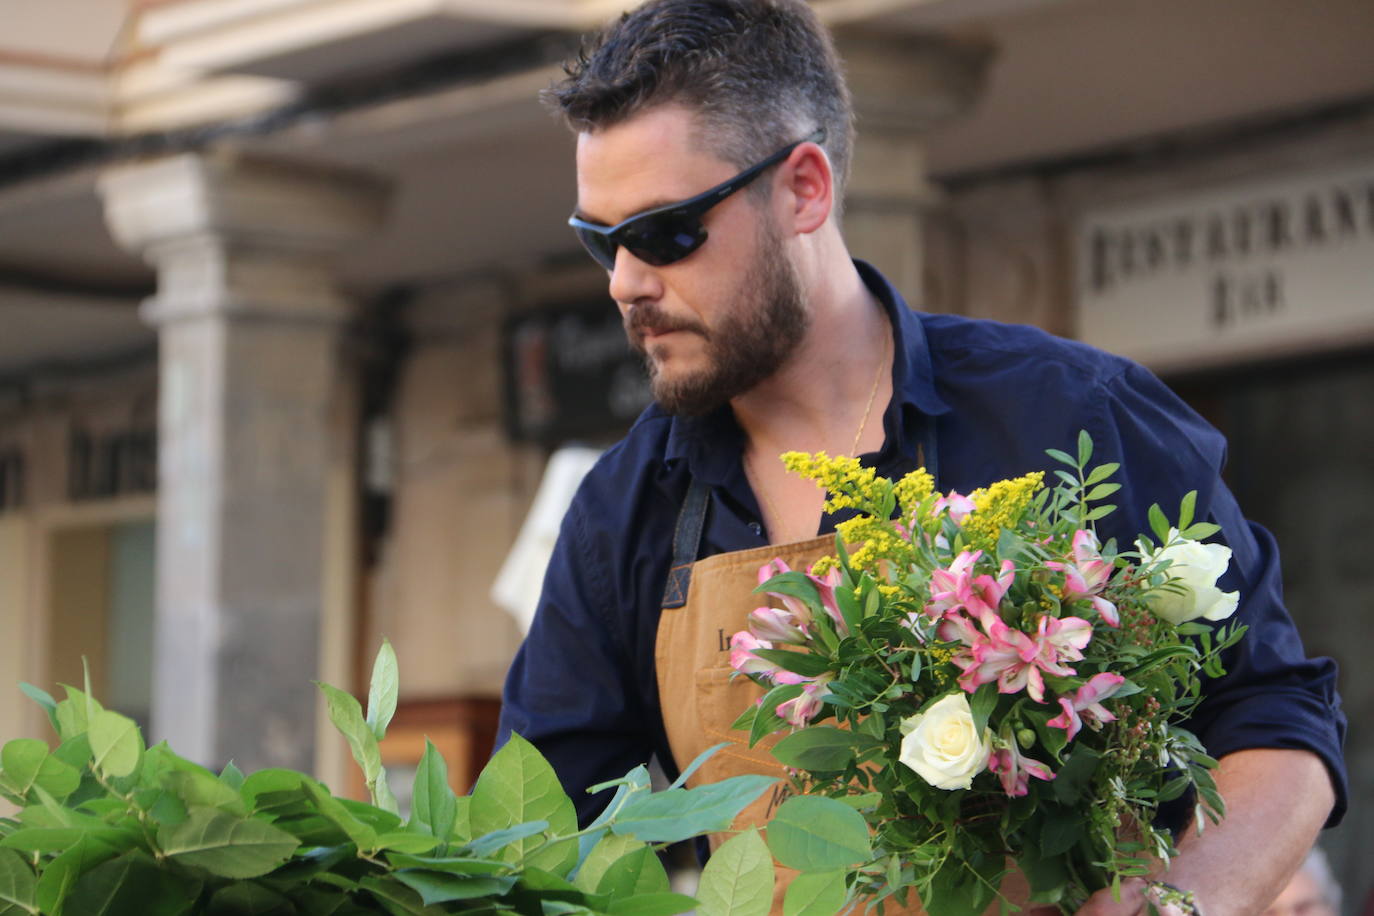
(756, 528)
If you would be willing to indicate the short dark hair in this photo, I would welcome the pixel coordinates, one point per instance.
(758, 74)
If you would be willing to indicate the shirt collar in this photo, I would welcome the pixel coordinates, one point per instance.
(711, 444)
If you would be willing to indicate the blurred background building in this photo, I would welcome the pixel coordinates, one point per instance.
(290, 320)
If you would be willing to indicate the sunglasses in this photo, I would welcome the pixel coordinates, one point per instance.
(669, 233)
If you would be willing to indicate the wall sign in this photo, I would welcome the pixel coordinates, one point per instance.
(1265, 268)
(570, 375)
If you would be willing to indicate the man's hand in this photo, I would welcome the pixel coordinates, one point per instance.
(1276, 802)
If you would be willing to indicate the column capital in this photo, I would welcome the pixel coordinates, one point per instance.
(240, 235)
(911, 83)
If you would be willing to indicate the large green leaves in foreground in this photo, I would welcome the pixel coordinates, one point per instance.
(108, 826)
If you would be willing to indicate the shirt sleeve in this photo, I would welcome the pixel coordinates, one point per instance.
(570, 690)
(1272, 695)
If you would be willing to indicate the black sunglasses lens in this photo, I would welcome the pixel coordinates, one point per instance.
(661, 239)
(598, 245)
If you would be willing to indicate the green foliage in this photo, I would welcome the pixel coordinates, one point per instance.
(107, 826)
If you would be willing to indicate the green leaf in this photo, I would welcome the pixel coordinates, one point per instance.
(1201, 531)
(17, 882)
(60, 875)
(131, 883)
(803, 663)
(982, 704)
(347, 716)
(815, 833)
(51, 840)
(1102, 491)
(397, 898)
(441, 887)
(244, 897)
(815, 894)
(116, 743)
(1085, 448)
(1060, 830)
(677, 814)
(1102, 472)
(1158, 523)
(42, 698)
(1075, 775)
(517, 786)
(738, 879)
(199, 788)
(661, 904)
(695, 764)
(232, 776)
(26, 761)
(382, 694)
(406, 841)
(821, 747)
(1186, 508)
(603, 855)
(488, 843)
(74, 713)
(765, 720)
(1061, 457)
(434, 805)
(638, 872)
(225, 845)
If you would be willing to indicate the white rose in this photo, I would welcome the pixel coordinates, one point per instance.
(1195, 567)
(941, 745)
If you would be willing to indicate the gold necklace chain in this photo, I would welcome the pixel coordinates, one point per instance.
(858, 435)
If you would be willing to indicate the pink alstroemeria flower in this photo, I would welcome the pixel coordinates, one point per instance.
(1087, 575)
(800, 710)
(743, 659)
(957, 587)
(795, 606)
(1014, 769)
(776, 625)
(1086, 704)
(959, 506)
(1012, 658)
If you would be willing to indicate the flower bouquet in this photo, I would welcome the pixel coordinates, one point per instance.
(988, 684)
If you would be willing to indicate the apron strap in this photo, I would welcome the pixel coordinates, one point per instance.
(691, 520)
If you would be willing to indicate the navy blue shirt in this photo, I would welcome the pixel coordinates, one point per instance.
(583, 687)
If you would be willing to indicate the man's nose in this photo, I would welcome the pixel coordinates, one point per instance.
(632, 280)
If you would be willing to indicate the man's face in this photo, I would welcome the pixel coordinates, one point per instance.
(1302, 897)
(716, 323)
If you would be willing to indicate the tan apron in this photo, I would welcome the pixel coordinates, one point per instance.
(700, 700)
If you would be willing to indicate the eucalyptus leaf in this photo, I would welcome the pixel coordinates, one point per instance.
(696, 764)
(602, 856)
(383, 691)
(433, 805)
(813, 833)
(518, 786)
(442, 887)
(738, 879)
(678, 814)
(815, 894)
(226, 845)
(660, 904)
(116, 743)
(131, 883)
(60, 875)
(347, 716)
(17, 881)
(638, 872)
(43, 699)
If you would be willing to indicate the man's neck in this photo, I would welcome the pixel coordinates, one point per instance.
(829, 396)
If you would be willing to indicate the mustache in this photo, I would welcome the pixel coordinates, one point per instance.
(648, 318)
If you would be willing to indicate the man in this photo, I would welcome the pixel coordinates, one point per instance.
(1312, 892)
(713, 143)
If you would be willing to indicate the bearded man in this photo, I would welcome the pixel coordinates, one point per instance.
(713, 141)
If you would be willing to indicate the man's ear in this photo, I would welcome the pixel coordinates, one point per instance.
(811, 183)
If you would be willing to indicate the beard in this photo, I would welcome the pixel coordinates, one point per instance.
(752, 340)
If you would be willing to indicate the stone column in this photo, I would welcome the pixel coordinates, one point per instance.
(903, 85)
(249, 322)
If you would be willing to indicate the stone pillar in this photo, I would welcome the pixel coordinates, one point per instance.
(903, 85)
(249, 322)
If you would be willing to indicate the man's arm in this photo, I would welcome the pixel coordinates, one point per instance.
(1276, 801)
